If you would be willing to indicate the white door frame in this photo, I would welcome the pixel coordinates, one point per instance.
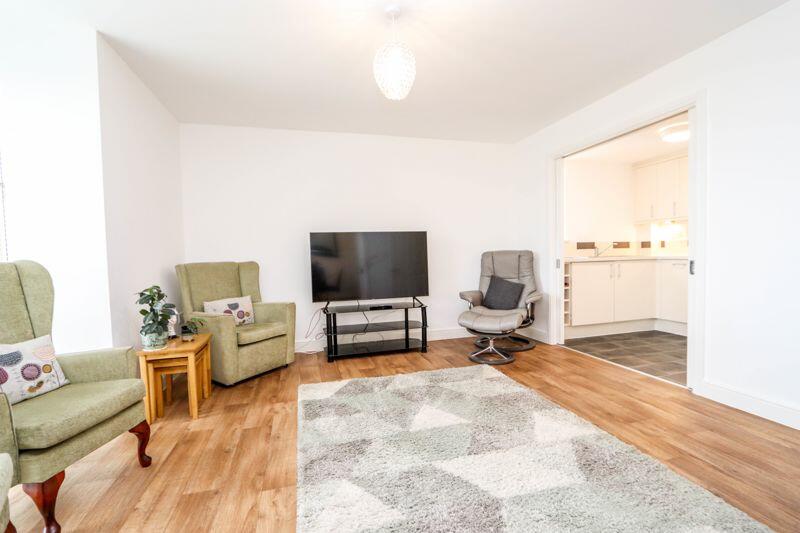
(697, 106)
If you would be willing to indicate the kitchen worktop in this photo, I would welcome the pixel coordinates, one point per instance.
(624, 258)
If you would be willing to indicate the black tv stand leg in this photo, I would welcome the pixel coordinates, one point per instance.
(424, 347)
(328, 332)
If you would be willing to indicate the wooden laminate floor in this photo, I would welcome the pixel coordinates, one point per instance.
(234, 468)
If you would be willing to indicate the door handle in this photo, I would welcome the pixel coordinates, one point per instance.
(691, 267)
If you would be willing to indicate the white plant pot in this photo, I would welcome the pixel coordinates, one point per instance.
(152, 342)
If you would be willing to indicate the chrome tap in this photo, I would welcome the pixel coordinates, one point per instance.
(598, 252)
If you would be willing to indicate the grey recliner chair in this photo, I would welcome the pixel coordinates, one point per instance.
(492, 324)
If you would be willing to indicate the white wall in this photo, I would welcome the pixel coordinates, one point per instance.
(598, 201)
(257, 193)
(50, 145)
(752, 80)
(143, 204)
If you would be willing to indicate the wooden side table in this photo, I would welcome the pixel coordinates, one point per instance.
(192, 358)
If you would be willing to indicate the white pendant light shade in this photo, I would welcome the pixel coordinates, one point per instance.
(395, 69)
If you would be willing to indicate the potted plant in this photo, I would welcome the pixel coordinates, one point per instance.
(155, 318)
(190, 328)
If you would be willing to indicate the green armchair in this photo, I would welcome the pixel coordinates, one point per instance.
(46, 434)
(6, 473)
(237, 352)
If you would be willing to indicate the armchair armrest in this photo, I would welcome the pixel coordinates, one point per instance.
(473, 297)
(6, 482)
(222, 329)
(284, 312)
(224, 345)
(6, 474)
(99, 365)
(8, 438)
(533, 297)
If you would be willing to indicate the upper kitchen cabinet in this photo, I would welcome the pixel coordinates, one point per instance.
(645, 185)
(682, 200)
(661, 190)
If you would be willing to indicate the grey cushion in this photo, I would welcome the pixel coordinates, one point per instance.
(502, 294)
(487, 320)
(513, 265)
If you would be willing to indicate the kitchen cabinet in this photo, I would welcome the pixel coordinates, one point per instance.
(645, 186)
(601, 292)
(666, 190)
(634, 294)
(661, 190)
(612, 291)
(682, 200)
(592, 288)
(673, 290)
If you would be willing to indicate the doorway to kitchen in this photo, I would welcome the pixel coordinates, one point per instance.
(625, 249)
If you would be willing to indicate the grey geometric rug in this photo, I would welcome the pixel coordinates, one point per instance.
(469, 449)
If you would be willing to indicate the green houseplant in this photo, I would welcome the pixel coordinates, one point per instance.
(190, 328)
(155, 318)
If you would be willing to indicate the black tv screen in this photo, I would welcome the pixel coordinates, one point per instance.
(369, 265)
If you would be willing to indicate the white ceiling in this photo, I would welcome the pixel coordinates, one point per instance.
(487, 70)
(637, 146)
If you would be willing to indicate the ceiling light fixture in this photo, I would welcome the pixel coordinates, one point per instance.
(394, 65)
(675, 133)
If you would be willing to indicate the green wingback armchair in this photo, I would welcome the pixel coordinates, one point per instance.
(238, 352)
(6, 473)
(46, 434)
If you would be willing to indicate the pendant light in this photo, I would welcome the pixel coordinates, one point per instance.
(394, 65)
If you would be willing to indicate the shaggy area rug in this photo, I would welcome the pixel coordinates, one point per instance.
(469, 449)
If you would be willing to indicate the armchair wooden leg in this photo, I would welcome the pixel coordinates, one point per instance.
(142, 432)
(44, 496)
(10, 528)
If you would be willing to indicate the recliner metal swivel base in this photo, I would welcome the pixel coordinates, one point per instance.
(491, 354)
(519, 343)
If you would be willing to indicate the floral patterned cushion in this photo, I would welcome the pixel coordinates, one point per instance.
(28, 369)
(240, 308)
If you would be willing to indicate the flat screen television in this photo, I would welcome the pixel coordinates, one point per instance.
(369, 265)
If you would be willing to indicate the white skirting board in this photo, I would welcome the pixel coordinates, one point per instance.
(632, 326)
(780, 413)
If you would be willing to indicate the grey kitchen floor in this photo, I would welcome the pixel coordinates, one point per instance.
(656, 353)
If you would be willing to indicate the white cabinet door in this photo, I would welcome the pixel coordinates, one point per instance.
(682, 199)
(645, 183)
(667, 189)
(634, 290)
(673, 290)
(592, 299)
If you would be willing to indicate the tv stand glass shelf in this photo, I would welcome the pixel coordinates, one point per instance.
(406, 343)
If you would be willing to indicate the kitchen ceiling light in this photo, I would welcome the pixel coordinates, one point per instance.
(675, 133)
(394, 66)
